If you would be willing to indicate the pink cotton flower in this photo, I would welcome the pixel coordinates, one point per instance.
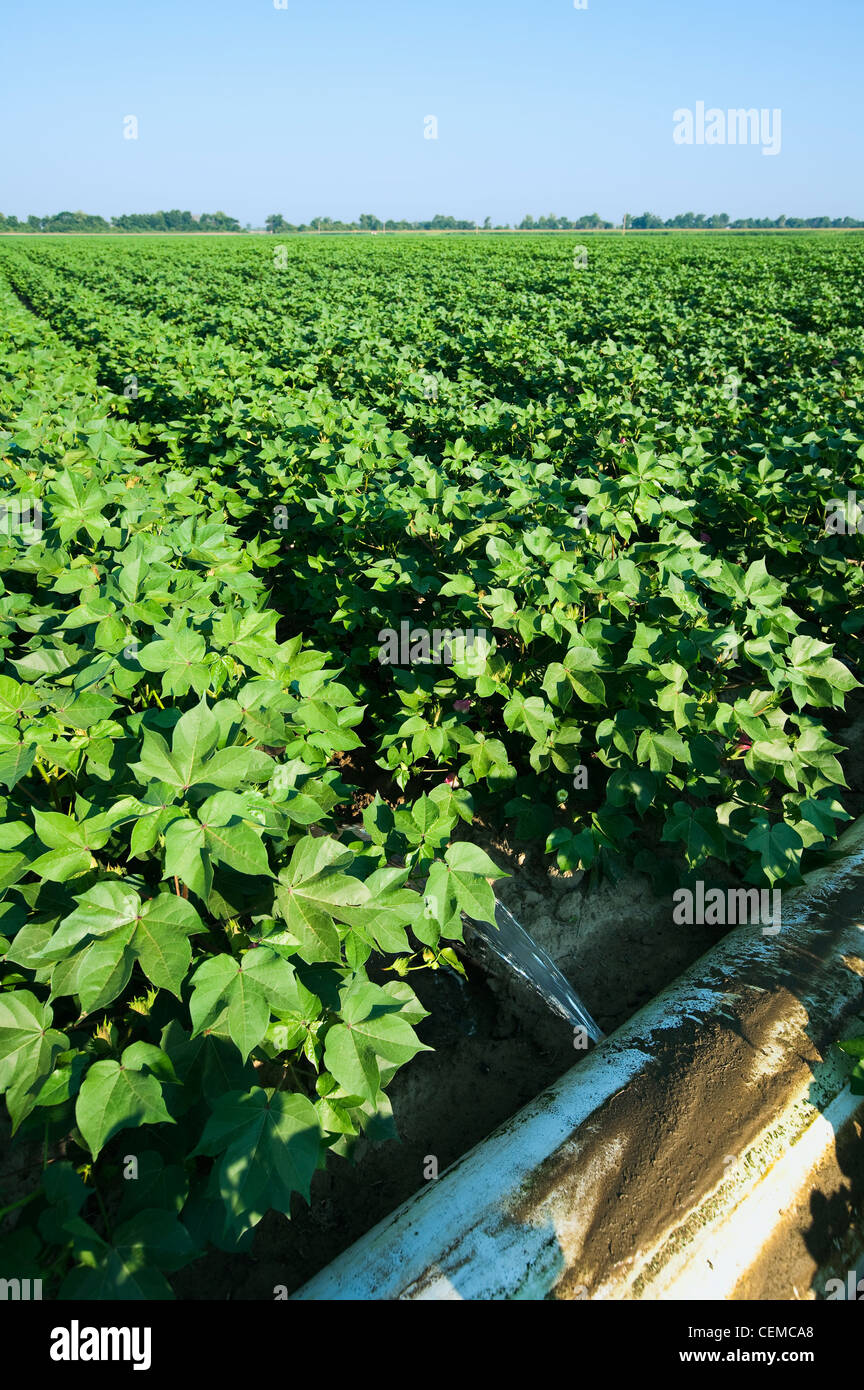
(462, 704)
(452, 781)
(705, 537)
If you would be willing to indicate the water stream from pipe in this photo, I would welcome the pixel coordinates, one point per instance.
(511, 943)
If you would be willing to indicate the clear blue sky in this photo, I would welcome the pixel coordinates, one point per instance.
(318, 108)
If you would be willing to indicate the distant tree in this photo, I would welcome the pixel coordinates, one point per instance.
(583, 224)
(218, 222)
(175, 220)
(75, 222)
(275, 222)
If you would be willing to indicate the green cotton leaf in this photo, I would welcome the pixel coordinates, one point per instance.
(474, 896)
(279, 983)
(82, 710)
(556, 684)
(160, 940)
(144, 1054)
(271, 1147)
(470, 859)
(76, 503)
(13, 867)
(453, 802)
(17, 699)
(127, 1269)
(588, 686)
(66, 1193)
(633, 783)
(815, 676)
(192, 760)
(310, 929)
(147, 829)
(46, 661)
(532, 715)
(439, 902)
(822, 812)
(372, 1028)
(390, 909)
(575, 674)
(572, 852)
(299, 807)
(181, 658)
(814, 749)
(208, 1065)
(156, 763)
(16, 761)
(582, 657)
(697, 830)
(250, 638)
(223, 992)
(28, 943)
(186, 857)
(117, 1095)
(59, 865)
(64, 1083)
(231, 840)
(156, 1185)
(153, 1237)
(759, 587)
(196, 734)
(231, 767)
(102, 910)
(425, 815)
(779, 847)
(28, 1047)
(266, 726)
(13, 833)
(311, 892)
(811, 657)
(661, 750)
(104, 970)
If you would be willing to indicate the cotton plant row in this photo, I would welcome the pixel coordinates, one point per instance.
(184, 932)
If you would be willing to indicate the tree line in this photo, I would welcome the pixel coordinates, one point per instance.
(177, 221)
(173, 221)
(721, 219)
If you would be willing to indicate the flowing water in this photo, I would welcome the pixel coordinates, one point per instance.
(512, 944)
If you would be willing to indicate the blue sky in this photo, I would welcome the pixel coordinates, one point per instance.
(318, 108)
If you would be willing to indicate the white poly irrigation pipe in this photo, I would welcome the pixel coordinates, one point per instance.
(519, 1215)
